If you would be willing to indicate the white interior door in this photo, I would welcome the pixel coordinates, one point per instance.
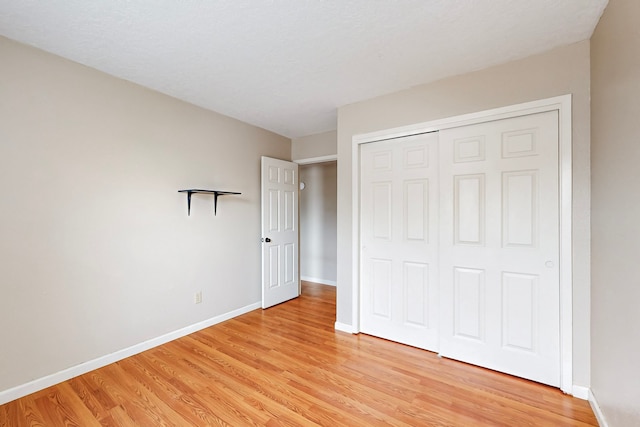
(280, 276)
(499, 246)
(399, 240)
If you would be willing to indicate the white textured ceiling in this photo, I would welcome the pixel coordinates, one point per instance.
(286, 65)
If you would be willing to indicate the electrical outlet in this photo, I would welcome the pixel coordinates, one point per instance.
(198, 297)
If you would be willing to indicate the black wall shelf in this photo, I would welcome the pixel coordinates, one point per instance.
(215, 193)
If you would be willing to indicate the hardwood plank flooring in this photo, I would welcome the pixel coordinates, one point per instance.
(287, 366)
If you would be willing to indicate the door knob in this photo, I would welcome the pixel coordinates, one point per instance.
(266, 240)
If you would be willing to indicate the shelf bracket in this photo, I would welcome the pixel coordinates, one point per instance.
(189, 193)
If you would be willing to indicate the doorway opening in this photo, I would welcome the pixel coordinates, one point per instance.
(318, 222)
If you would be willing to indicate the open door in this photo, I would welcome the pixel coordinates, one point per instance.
(280, 275)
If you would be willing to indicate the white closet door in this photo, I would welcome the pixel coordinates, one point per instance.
(399, 240)
(499, 246)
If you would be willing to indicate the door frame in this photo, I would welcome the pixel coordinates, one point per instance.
(304, 162)
(561, 104)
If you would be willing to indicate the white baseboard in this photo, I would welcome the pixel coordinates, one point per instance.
(596, 410)
(317, 280)
(580, 392)
(66, 374)
(344, 328)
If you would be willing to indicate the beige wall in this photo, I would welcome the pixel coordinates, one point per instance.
(615, 314)
(558, 72)
(312, 146)
(318, 233)
(97, 252)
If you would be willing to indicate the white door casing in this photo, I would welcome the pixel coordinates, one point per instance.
(280, 267)
(499, 246)
(399, 240)
(561, 105)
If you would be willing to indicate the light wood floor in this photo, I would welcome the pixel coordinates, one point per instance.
(287, 366)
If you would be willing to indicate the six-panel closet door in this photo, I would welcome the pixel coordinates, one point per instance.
(499, 246)
(479, 280)
(399, 240)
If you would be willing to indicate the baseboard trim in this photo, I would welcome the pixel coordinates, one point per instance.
(317, 280)
(344, 328)
(580, 392)
(66, 374)
(596, 410)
